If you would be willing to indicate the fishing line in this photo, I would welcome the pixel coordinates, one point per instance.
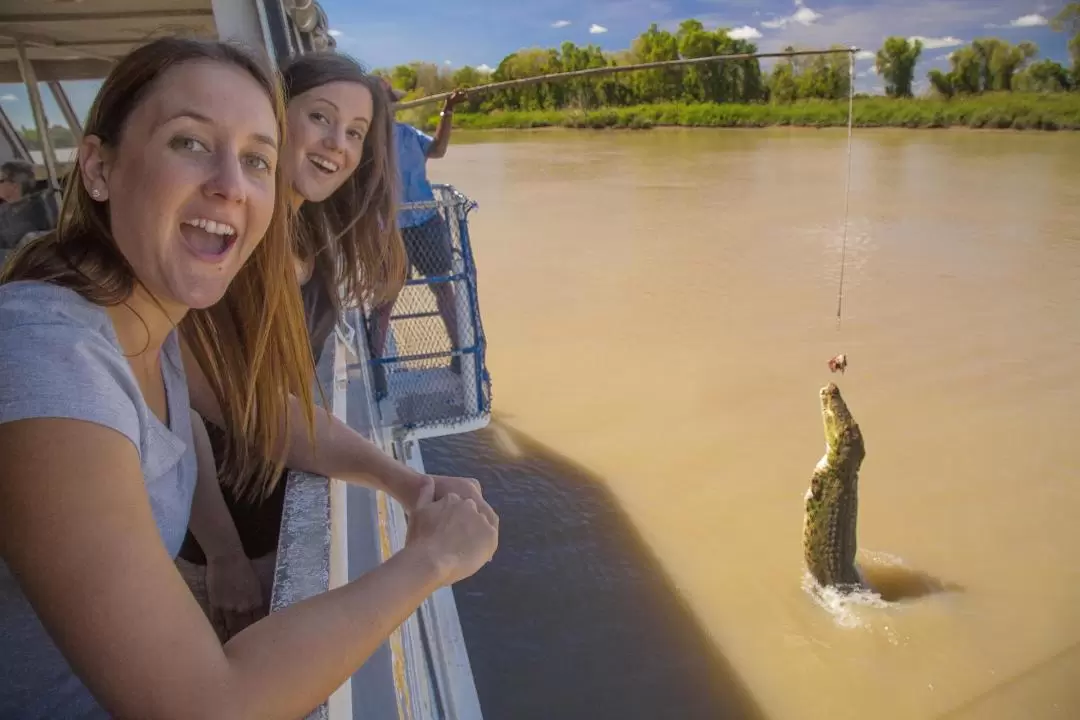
(847, 184)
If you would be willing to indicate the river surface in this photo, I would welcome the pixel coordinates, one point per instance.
(660, 307)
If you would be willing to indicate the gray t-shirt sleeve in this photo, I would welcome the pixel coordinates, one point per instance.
(56, 362)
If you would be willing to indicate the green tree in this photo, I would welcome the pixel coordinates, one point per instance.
(468, 77)
(988, 64)
(942, 83)
(1068, 20)
(1045, 76)
(403, 77)
(896, 62)
(803, 77)
(1001, 60)
(655, 45)
(782, 86)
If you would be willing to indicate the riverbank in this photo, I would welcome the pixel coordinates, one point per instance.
(1016, 111)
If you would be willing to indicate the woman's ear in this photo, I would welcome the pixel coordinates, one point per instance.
(94, 167)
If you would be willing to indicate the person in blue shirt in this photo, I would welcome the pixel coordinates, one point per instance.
(425, 232)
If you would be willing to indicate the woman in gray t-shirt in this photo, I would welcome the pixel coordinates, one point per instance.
(169, 285)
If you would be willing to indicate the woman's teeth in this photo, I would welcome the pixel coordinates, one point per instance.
(323, 164)
(210, 237)
(214, 228)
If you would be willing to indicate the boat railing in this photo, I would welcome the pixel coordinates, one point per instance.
(431, 376)
(333, 532)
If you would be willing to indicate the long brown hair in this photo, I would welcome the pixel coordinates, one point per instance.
(366, 261)
(252, 345)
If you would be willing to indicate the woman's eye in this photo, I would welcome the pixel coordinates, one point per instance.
(318, 117)
(358, 135)
(258, 162)
(188, 143)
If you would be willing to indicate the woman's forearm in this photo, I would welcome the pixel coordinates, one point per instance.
(210, 521)
(344, 454)
(340, 452)
(319, 642)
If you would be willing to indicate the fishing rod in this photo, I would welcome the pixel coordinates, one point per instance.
(613, 69)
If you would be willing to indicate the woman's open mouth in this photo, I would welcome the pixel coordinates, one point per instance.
(326, 167)
(208, 239)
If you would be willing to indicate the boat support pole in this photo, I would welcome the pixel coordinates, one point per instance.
(65, 107)
(26, 69)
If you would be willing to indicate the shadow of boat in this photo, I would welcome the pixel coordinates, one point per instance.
(574, 617)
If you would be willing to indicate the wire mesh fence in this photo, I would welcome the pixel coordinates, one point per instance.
(428, 346)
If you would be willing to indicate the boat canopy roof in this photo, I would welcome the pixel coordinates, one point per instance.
(80, 39)
(51, 41)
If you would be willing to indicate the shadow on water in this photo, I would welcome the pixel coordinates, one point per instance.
(574, 617)
(896, 583)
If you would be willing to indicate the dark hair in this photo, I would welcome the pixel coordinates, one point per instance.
(21, 173)
(367, 261)
(252, 345)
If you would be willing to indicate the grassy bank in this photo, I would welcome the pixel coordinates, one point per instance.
(1017, 111)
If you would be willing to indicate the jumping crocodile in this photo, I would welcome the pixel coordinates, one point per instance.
(832, 502)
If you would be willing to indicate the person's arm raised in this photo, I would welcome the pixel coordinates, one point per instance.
(77, 531)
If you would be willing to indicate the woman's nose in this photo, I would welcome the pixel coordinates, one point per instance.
(228, 182)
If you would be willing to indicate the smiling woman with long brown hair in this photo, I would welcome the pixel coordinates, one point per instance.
(170, 284)
(343, 180)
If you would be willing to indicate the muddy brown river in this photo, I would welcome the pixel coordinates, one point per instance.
(660, 307)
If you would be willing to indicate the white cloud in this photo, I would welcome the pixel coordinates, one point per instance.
(803, 16)
(1024, 21)
(485, 68)
(335, 33)
(930, 43)
(9, 98)
(597, 29)
(862, 24)
(560, 24)
(1033, 20)
(744, 33)
(866, 55)
(447, 62)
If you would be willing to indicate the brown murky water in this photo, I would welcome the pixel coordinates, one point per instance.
(660, 308)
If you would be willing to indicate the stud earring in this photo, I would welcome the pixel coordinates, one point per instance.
(96, 194)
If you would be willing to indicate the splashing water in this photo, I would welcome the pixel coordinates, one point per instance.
(889, 585)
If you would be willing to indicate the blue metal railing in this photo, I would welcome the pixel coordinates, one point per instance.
(427, 381)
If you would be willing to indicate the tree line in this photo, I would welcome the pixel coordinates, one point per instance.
(985, 65)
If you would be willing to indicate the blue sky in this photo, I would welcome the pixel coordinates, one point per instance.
(481, 32)
(476, 32)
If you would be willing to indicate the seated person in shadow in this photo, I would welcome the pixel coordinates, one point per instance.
(26, 211)
(16, 180)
